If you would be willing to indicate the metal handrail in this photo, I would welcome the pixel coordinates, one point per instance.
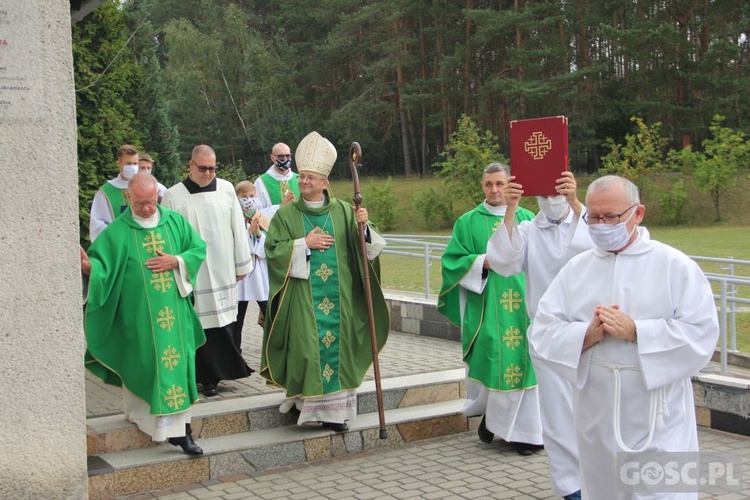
(422, 247)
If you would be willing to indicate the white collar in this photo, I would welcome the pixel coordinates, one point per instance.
(315, 204)
(495, 210)
(280, 177)
(150, 222)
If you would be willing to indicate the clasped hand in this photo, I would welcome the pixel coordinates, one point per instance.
(609, 320)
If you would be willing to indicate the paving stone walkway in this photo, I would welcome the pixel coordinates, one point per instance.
(457, 466)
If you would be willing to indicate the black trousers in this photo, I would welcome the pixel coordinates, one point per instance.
(220, 357)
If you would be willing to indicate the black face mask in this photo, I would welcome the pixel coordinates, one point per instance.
(284, 164)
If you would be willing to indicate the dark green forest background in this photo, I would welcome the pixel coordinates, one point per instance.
(397, 75)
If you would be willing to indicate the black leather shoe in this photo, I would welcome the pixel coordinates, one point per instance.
(485, 435)
(336, 427)
(525, 449)
(210, 390)
(187, 444)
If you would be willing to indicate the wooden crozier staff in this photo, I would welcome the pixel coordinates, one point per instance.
(355, 161)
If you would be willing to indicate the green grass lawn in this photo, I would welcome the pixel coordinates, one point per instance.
(723, 240)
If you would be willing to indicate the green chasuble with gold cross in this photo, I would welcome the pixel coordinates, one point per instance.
(317, 338)
(494, 322)
(140, 330)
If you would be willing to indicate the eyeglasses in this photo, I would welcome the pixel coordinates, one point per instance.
(284, 157)
(203, 170)
(142, 204)
(610, 219)
(310, 178)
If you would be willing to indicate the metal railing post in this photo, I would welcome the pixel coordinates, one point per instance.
(427, 270)
(723, 327)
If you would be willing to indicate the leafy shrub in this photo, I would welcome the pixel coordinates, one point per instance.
(673, 201)
(466, 155)
(433, 205)
(381, 206)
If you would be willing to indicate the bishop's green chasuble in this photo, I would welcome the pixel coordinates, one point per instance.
(140, 331)
(494, 322)
(316, 339)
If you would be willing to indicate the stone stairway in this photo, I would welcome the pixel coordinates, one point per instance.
(247, 434)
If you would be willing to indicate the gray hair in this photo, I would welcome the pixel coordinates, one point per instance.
(608, 181)
(143, 180)
(496, 167)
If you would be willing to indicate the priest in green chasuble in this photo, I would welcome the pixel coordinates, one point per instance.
(141, 329)
(279, 185)
(316, 341)
(490, 309)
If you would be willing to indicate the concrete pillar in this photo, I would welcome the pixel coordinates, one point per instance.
(42, 393)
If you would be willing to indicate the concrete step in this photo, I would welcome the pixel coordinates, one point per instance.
(113, 433)
(418, 407)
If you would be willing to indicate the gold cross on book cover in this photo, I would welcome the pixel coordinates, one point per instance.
(539, 153)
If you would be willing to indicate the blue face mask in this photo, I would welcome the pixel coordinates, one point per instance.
(129, 171)
(611, 238)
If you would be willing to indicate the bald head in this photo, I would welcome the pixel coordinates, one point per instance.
(281, 156)
(202, 150)
(143, 194)
(142, 181)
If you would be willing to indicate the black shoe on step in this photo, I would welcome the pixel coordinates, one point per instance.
(187, 444)
(336, 427)
(210, 390)
(485, 435)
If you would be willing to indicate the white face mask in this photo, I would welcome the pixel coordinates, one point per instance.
(553, 207)
(129, 171)
(248, 205)
(611, 237)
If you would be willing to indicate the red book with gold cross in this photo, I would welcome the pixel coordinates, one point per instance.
(539, 153)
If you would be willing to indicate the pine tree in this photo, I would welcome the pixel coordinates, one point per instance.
(104, 78)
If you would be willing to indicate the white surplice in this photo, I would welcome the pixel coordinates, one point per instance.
(266, 206)
(254, 286)
(217, 217)
(509, 415)
(540, 248)
(671, 302)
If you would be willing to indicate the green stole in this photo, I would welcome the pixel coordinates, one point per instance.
(118, 198)
(494, 323)
(324, 286)
(140, 331)
(276, 187)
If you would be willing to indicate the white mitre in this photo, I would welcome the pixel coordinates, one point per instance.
(316, 154)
